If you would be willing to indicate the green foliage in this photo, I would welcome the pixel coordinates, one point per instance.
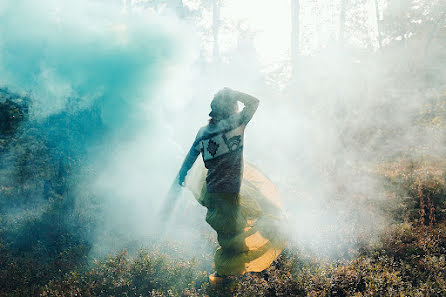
(13, 111)
(39, 237)
(146, 274)
(417, 189)
(410, 261)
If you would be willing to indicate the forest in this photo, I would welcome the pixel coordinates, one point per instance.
(101, 100)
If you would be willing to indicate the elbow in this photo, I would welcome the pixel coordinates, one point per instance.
(255, 105)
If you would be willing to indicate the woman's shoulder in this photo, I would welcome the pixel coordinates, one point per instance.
(213, 129)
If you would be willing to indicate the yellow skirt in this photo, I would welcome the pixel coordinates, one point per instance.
(248, 224)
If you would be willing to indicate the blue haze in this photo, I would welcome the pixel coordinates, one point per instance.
(90, 73)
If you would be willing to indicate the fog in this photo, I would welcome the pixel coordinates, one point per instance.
(318, 137)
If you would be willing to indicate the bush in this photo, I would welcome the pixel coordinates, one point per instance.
(120, 275)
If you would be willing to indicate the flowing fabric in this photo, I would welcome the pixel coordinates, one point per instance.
(248, 224)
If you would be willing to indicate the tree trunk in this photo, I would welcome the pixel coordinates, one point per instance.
(432, 33)
(342, 23)
(180, 9)
(216, 28)
(124, 5)
(295, 32)
(378, 24)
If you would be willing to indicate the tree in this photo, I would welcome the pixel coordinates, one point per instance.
(435, 27)
(295, 31)
(342, 23)
(174, 5)
(215, 28)
(378, 27)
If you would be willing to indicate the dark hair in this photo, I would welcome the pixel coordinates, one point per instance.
(223, 106)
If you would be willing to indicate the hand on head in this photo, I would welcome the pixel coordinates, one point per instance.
(226, 94)
(224, 104)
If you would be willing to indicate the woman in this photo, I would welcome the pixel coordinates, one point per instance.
(244, 211)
